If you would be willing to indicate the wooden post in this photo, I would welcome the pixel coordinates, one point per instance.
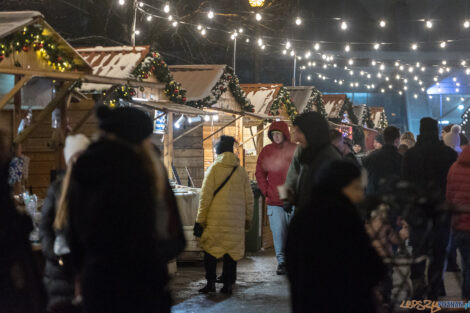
(239, 134)
(13, 92)
(260, 138)
(168, 145)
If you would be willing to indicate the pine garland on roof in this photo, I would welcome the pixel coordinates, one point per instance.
(32, 36)
(316, 99)
(112, 96)
(228, 81)
(283, 99)
(154, 64)
(383, 122)
(346, 108)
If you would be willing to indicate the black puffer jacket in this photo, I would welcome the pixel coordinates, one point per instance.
(382, 165)
(58, 279)
(428, 162)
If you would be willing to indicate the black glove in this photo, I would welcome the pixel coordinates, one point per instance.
(287, 206)
(198, 230)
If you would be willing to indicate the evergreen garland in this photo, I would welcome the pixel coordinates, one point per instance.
(112, 96)
(228, 81)
(383, 122)
(283, 99)
(154, 64)
(33, 37)
(368, 118)
(346, 108)
(316, 99)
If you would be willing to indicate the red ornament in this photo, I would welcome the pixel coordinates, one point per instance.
(184, 99)
(154, 54)
(230, 77)
(153, 68)
(222, 88)
(2, 57)
(41, 45)
(252, 110)
(162, 62)
(25, 48)
(146, 76)
(132, 93)
(176, 91)
(59, 58)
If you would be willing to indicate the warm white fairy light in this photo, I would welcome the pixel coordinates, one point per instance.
(170, 18)
(448, 98)
(316, 46)
(298, 58)
(457, 90)
(203, 32)
(174, 24)
(441, 70)
(141, 4)
(284, 52)
(443, 44)
(347, 48)
(397, 64)
(122, 2)
(309, 77)
(240, 30)
(444, 62)
(264, 47)
(387, 78)
(405, 81)
(423, 69)
(454, 79)
(137, 32)
(258, 17)
(462, 99)
(210, 14)
(260, 43)
(377, 46)
(420, 83)
(467, 71)
(373, 63)
(382, 67)
(372, 86)
(199, 27)
(350, 61)
(382, 23)
(149, 18)
(382, 90)
(379, 75)
(292, 53)
(447, 69)
(411, 69)
(334, 65)
(416, 78)
(402, 68)
(368, 76)
(166, 8)
(308, 54)
(344, 25)
(351, 73)
(463, 63)
(400, 92)
(390, 86)
(247, 40)
(466, 24)
(288, 45)
(298, 21)
(415, 96)
(435, 79)
(457, 84)
(361, 73)
(397, 77)
(414, 46)
(429, 24)
(430, 97)
(405, 88)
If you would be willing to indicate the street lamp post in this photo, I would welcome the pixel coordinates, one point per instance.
(234, 54)
(295, 66)
(134, 7)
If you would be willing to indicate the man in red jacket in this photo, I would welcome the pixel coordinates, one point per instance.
(271, 171)
(458, 194)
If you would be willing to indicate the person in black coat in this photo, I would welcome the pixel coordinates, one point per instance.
(115, 198)
(312, 132)
(21, 289)
(59, 278)
(331, 264)
(383, 165)
(427, 165)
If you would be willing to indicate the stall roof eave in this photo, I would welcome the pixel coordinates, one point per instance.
(171, 107)
(258, 116)
(13, 21)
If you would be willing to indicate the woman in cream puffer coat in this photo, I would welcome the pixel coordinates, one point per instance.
(225, 216)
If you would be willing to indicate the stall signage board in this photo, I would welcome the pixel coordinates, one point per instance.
(159, 123)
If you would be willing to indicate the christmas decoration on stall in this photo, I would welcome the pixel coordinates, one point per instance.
(283, 99)
(358, 136)
(347, 108)
(465, 124)
(154, 64)
(383, 122)
(316, 100)
(366, 118)
(32, 37)
(228, 81)
(112, 96)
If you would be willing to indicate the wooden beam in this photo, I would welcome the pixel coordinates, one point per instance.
(260, 139)
(168, 146)
(64, 90)
(187, 132)
(253, 138)
(14, 90)
(82, 121)
(259, 131)
(80, 75)
(220, 129)
(241, 151)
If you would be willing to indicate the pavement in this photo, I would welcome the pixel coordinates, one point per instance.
(258, 288)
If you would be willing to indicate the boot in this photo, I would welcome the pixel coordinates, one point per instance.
(226, 289)
(220, 279)
(210, 287)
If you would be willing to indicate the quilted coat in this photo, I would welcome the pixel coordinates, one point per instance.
(273, 164)
(225, 215)
(458, 188)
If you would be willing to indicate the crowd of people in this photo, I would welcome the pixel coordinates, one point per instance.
(111, 223)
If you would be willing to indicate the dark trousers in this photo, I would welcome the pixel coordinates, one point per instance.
(462, 242)
(432, 241)
(229, 270)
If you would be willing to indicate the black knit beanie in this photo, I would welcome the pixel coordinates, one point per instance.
(225, 144)
(428, 125)
(130, 124)
(337, 175)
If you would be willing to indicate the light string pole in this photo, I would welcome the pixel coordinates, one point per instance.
(134, 21)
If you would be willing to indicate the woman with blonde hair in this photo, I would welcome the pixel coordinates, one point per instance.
(408, 139)
(58, 277)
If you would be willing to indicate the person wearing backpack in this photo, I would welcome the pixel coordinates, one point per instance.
(225, 213)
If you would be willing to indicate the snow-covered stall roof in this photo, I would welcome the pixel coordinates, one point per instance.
(116, 62)
(359, 112)
(300, 96)
(198, 80)
(261, 95)
(333, 105)
(12, 22)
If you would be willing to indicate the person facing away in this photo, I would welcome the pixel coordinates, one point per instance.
(116, 187)
(312, 132)
(21, 289)
(329, 254)
(452, 138)
(384, 164)
(408, 139)
(458, 195)
(271, 171)
(224, 214)
(426, 165)
(58, 278)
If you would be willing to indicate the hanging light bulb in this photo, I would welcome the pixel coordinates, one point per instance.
(397, 77)
(292, 53)
(373, 63)
(141, 4)
(210, 14)
(429, 24)
(423, 69)
(149, 18)
(400, 92)
(466, 24)
(288, 45)
(377, 46)
(443, 44)
(284, 52)
(260, 43)
(382, 67)
(137, 32)
(166, 8)
(316, 46)
(240, 30)
(382, 90)
(122, 2)
(175, 23)
(247, 40)
(344, 25)
(402, 68)
(347, 48)
(170, 18)
(382, 23)
(350, 61)
(411, 69)
(258, 17)
(430, 97)
(415, 96)
(298, 21)
(414, 46)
